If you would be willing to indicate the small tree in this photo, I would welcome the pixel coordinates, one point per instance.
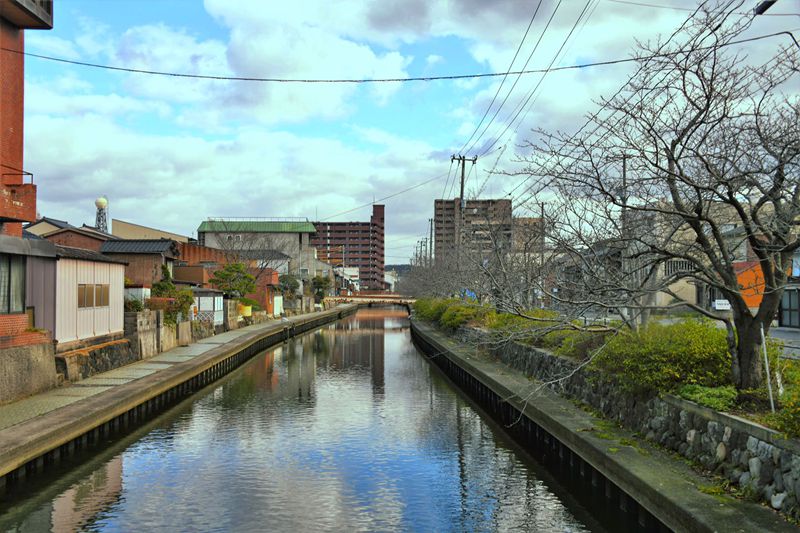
(234, 280)
(288, 285)
(164, 288)
(320, 284)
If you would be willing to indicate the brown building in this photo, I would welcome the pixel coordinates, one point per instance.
(85, 237)
(483, 225)
(354, 244)
(144, 258)
(528, 234)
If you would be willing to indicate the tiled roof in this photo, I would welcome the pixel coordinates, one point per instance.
(28, 235)
(271, 255)
(68, 252)
(55, 222)
(256, 226)
(141, 246)
(93, 229)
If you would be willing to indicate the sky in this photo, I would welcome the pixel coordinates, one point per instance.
(170, 152)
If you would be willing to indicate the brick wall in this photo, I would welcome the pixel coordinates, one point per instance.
(12, 332)
(75, 240)
(142, 269)
(11, 112)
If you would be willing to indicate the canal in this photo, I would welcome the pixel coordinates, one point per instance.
(344, 428)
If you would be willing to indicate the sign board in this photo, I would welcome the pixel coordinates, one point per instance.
(722, 305)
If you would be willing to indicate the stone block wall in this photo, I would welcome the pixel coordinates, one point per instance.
(184, 333)
(231, 315)
(759, 460)
(87, 361)
(26, 370)
(141, 329)
(167, 337)
(201, 329)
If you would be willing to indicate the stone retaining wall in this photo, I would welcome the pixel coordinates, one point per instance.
(757, 459)
(87, 361)
(26, 370)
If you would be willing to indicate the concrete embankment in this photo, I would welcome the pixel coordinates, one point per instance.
(645, 486)
(34, 444)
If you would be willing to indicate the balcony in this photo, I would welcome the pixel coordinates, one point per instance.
(28, 14)
(18, 202)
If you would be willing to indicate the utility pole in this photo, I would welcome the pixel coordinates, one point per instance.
(424, 251)
(430, 250)
(462, 203)
(541, 259)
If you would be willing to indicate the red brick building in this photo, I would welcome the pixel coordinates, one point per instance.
(27, 365)
(197, 264)
(354, 244)
(17, 191)
(85, 238)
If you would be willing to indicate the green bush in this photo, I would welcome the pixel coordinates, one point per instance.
(579, 344)
(717, 398)
(787, 419)
(133, 305)
(432, 308)
(457, 315)
(662, 357)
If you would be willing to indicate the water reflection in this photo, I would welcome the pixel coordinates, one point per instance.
(345, 428)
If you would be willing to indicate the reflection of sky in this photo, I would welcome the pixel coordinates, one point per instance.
(299, 440)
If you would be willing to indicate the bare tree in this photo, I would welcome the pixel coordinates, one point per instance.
(262, 252)
(694, 159)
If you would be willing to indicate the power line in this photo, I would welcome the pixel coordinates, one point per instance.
(398, 193)
(536, 47)
(677, 8)
(510, 66)
(368, 80)
(524, 103)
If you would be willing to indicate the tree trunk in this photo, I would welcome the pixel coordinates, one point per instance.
(749, 357)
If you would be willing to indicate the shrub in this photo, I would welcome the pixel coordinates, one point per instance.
(456, 315)
(432, 308)
(787, 419)
(717, 398)
(662, 357)
(580, 344)
(133, 304)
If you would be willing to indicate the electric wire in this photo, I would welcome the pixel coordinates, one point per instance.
(387, 197)
(508, 94)
(541, 78)
(677, 8)
(448, 178)
(510, 66)
(366, 80)
(644, 60)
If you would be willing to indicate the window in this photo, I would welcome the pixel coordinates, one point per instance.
(92, 295)
(85, 295)
(12, 283)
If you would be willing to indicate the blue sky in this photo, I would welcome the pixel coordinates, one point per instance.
(170, 152)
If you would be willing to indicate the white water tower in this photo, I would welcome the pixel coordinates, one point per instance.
(101, 220)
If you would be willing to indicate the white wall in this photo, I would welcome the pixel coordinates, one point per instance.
(77, 324)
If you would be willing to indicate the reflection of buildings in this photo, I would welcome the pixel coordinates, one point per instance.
(356, 343)
(80, 504)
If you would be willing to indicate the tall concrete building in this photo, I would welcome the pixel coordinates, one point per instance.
(355, 244)
(481, 226)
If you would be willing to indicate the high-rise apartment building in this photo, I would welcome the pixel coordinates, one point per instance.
(482, 225)
(355, 244)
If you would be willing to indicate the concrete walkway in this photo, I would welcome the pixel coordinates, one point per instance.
(28, 408)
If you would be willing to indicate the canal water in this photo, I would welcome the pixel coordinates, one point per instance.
(346, 428)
